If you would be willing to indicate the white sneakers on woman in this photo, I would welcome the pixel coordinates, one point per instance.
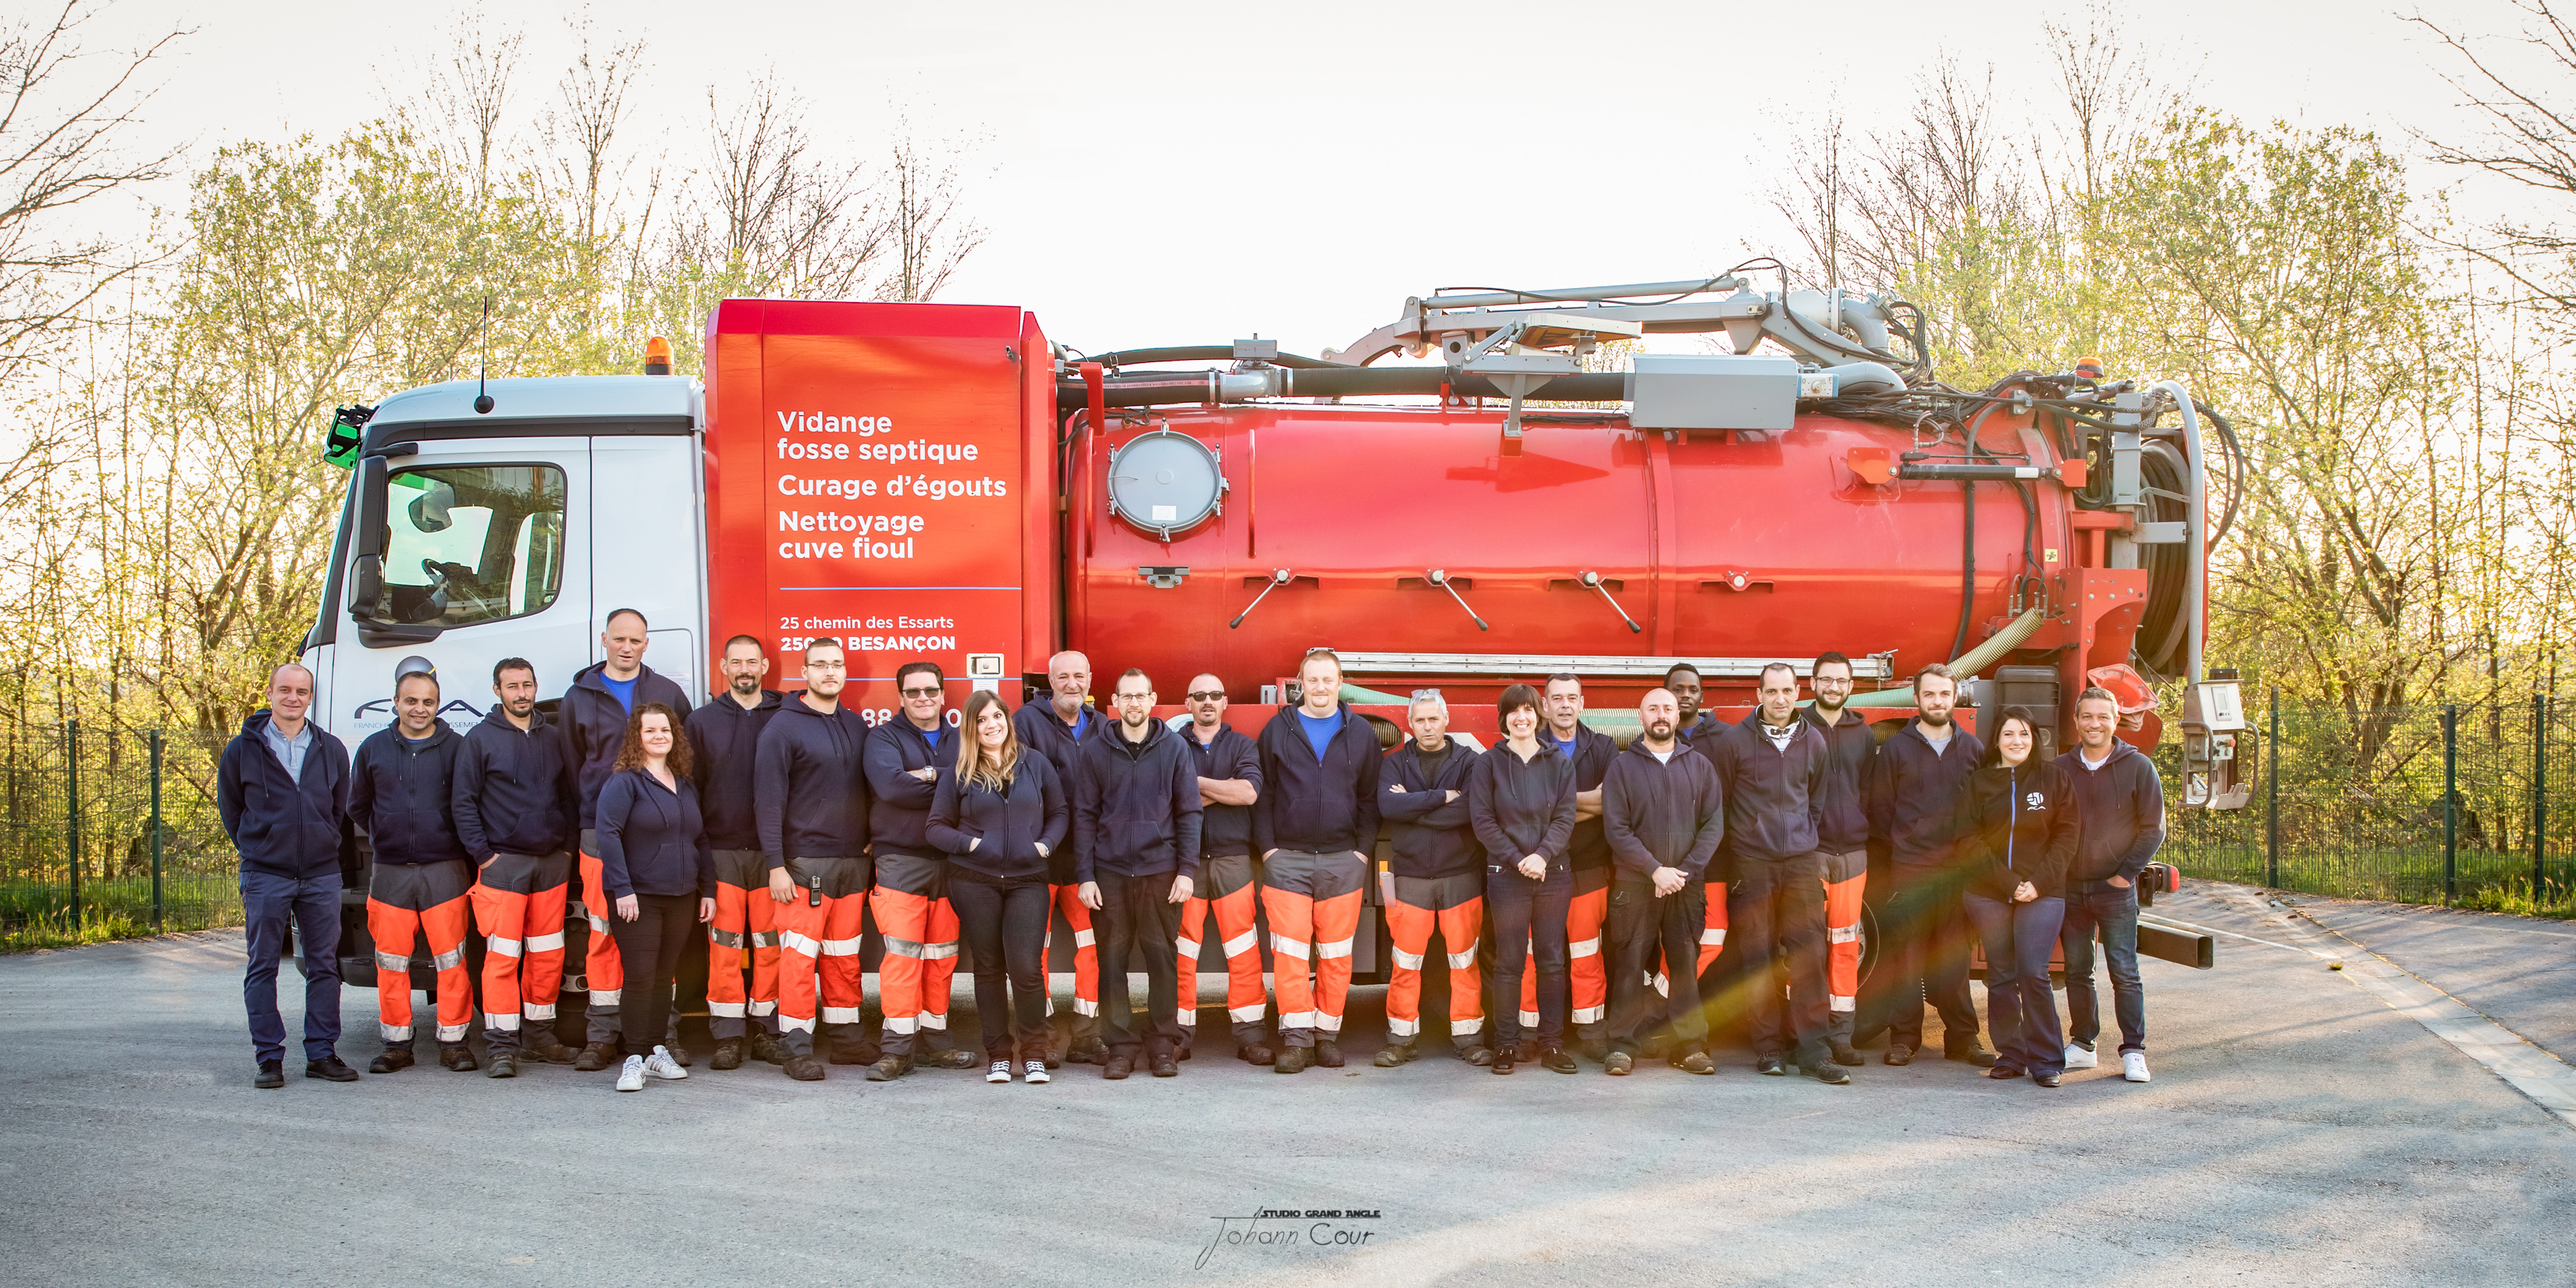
(631, 1078)
(1033, 1071)
(1000, 1072)
(661, 1065)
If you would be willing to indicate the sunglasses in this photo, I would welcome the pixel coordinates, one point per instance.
(930, 691)
(1207, 695)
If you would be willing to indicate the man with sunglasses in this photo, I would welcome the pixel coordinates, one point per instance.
(904, 759)
(1229, 773)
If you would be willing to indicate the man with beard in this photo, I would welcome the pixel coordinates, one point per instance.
(1663, 815)
(1842, 836)
(725, 734)
(810, 793)
(1136, 810)
(1913, 791)
(905, 757)
(1229, 772)
(398, 791)
(515, 803)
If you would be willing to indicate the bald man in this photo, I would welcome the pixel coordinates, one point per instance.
(1054, 729)
(283, 790)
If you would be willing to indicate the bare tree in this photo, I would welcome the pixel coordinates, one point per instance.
(928, 245)
(61, 147)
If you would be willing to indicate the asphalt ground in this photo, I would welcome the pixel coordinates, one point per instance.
(2298, 1130)
(2518, 971)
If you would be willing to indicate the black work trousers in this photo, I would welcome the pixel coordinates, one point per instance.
(650, 946)
(1777, 906)
(1529, 926)
(1654, 965)
(1004, 924)
(1927, 952)
(1138, 923)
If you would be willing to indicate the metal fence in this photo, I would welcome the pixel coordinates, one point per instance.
(106, 833)
(2464, 805)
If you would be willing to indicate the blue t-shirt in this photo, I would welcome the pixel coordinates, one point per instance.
(932, 736)
(1565, 745)
(1319, 732)
(623, 689)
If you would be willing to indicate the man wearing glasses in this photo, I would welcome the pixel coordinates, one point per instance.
(1229, 773)
(1842, 836)
(904, 759)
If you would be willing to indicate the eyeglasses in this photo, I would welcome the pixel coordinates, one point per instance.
(1147, 696)
(931, 691)
(1209, 695)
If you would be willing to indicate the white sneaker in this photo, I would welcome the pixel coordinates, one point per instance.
(1033, 1071)
(631, 1078)
(2133, 1065)
(661, 1065)
(2080, 1056)
(1000, 1072)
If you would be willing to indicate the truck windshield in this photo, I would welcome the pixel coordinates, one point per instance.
(473, 543)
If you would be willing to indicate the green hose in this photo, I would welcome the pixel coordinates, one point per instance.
(1974, 660)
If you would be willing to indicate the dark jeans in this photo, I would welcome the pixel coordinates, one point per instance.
(269, 902)
(1927, 953)
(2097, 908)
(1778, 905)
(1137, 918)
(650, 946)
(1004, 925)
(1531, 913)
(2019, 939)
(1651, 936)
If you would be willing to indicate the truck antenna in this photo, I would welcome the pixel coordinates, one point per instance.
(483, 378)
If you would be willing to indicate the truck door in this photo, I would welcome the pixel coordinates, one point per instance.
(481, 560)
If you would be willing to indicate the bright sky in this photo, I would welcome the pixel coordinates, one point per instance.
(1170, 174)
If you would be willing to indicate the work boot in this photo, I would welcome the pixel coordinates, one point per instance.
(391, 1060)
(330, 1069)
(1972, 1051)
(1293, 1060)
(1696, 1062)
(728, 1055)
(1898, 1054)
(1256, 1054)
(594, 1057)
(539, 1044)
(1770, 1066)
(1117, 1067)
(1827, 1072)
(272, 1075)
(1328, 1053)
(1167, 1065)
(505, 1064)
(1592, 1049)
(804, 1068)
(456, 1056)
(860, 1051)
(679, 1054)
(1618, 1064)
(1395, 1055)
(1479, 1056)
(765, 1047)
(953, 1058)
(1507, 1056)
(1557, 1060)
(1088, 1051)
(886, 1069)
(1844, 1054)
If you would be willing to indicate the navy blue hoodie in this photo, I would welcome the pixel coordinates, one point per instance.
(1913, 794)
(997, 835)
(399, 792)
(1042, 733)
(594, 723)
(1842, 813)
(1668, 813)
(2124, 813)
(899, 812)
(1523, 807)
(1135, 805)
(652, 840)
(2017, 824)
(514, 791)
(1773, 795)
(277, 824)
(1322, 807)
(1593, 752)
(726, 738)
(810, 784)
(1433, 835)
(1225, 829)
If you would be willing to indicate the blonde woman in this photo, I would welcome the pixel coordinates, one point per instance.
(999, 814)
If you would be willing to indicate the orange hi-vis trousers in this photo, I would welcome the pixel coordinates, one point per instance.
(1846, 881)
(919, 927)
(1455, 906)
(519, 906)
(1587, 973)
(818, 935)
(1226, 886)
(1086, 959)
(1712, 935)
(602, 968)
(744, 932)
(431, 899)
(1313, 901)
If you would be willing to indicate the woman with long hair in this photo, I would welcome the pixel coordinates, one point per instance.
(659, 876)
(1520, 796)
(999, 814)
(2017, 832)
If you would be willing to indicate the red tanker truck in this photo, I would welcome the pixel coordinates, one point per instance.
(1461, 498)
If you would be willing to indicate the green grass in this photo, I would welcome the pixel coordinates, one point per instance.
(2487, 880)
(39, 915)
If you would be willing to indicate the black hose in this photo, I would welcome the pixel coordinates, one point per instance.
(1203, 353)
(1967, 565)
(1176, 388)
